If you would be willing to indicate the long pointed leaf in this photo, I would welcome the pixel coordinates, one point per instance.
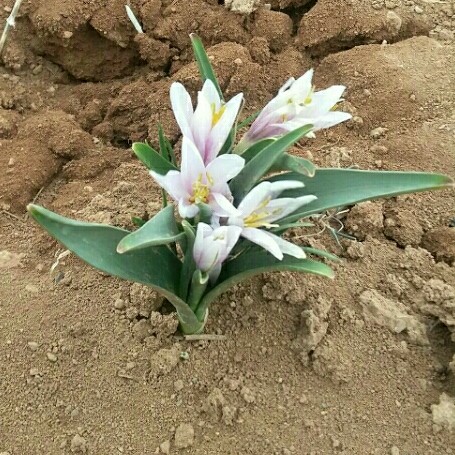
(152, 159)
(160, 230)
(203, 62)
(96, 244)
(263, 161)
(256, 262)
(342, 187)
(293, 163)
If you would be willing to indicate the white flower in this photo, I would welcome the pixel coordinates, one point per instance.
(196, 183)
(260, 209)
(296, 105)
(212, 247)
(209, 125)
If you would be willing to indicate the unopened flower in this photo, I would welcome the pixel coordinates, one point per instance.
(197, 184)
(260, 209)
(209, 125)
(212, 247)
(296, 105)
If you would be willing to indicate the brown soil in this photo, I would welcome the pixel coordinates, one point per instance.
(90, 364)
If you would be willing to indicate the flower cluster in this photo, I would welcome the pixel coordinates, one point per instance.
(204, 176)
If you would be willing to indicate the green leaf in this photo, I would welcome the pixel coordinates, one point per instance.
(320, 253)
(163, 146)
(254, 263)
(203, 62)
(284, 227)
(343, 187)
(137, 221)
(293, 163)
(162, 229)
(152, 159)
(257, 147)
(188, 266)
(96, 244)
(199, 284)
(258, 166)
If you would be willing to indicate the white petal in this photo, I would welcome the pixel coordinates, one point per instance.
(201, 124)
(211, 94)
(224, 168)
(192, 166)
(203, 230)
(263, 239)
(222, 128)
(221, 205)
(172, 183)
(232, 237)
(331, 119)
(254, 198)
(187, 210)
(282, 207)
(215, 273)
(287, 84)
(288, 248)
(281, 185)
(182, 107)
(324, 100)
(302, 86)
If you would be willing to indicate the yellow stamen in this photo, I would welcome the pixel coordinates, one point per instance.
(258, 217)
(201, 192)
(309, 97)
(216, 115)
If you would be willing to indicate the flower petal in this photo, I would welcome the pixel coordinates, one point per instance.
(187, 210)
(182, 107)
(263, 239)
(201, 123)
(211, 94)
(192, 166)
(224, 168)
(288, 248)
(172, 183)
(221, 205)
(324, 100)
(281, 185)
(331, 119)
(254, 198)
(279, 208)
(302, 86)
(203, 230)
(222, 128)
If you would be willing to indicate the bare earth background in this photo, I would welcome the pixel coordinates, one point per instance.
(92, 365)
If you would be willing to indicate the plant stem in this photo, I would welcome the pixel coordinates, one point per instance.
(199, 283)
(10, 22)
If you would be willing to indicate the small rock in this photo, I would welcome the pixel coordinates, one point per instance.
(178, 385)
(214, 404)
(51, 357)
(184, 436)
(33, 345)
(78, 444)
(394, 451)
(377, 133)
(444, 412)
(247, 395)
(131, 313)
(142, 329)
(164, 361)
(165, 447)
(393, 22)
(67, 34)
(418, 9)
(32, 288)
(37, 70)
(119, 304)
(34, 372)
(228, 415)
(11, 162)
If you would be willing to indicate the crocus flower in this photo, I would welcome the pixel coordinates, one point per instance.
(260, 209)
(212, 247)
(296, 105)
(208, 126)
(196, 183)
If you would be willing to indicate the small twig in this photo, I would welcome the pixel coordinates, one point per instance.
(12, 215)
(10, 22)
(205, 337)
(33, 201)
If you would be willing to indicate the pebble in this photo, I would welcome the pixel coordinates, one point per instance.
(418, 9)
(33, 345)
(67, 34)
(378, 132)
(119, 304)
(394, 451)
(11, 162)
(184, 436)
(78, 444)
(178, 385)
(51, 357)
(247, 395)
(34, 372)
(165, 447)
(32, 288)
(37, 70)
